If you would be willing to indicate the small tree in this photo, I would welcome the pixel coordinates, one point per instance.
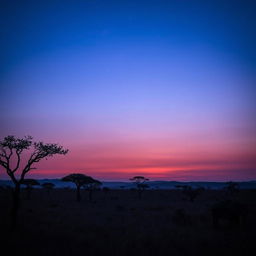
(140, 183)
(80, 180)
(189, 192)
(29, 183)
(11, 149)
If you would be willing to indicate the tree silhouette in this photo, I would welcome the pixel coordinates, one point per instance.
(189, 192)
(29, 183)
(11, 149)
(80, 180)
(140, 183)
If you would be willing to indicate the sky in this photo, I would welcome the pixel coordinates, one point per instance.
(163, 89)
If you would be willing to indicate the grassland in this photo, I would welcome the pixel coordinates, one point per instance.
(162, 222)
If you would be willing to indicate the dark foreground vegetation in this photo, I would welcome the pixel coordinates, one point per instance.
(118, 222)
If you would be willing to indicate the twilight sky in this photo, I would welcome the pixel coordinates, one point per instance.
(164, 89)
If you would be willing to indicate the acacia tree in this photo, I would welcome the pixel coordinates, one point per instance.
(140, 183)
(189, 192)
(80, 180)
(11, 149)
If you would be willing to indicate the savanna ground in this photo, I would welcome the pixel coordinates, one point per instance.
(119, 223)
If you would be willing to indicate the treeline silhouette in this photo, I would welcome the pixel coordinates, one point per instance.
(139, 210)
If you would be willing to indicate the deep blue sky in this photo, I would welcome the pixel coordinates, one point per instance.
(125, 39)
(177, 76)
(32, 28)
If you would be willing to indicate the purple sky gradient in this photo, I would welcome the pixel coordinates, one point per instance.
(162, 89)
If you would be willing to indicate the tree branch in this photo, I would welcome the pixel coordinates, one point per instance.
(18, 152)
(10, 145)
(3, 163)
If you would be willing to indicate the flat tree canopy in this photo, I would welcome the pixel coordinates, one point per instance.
(79, 179)
(139, 179)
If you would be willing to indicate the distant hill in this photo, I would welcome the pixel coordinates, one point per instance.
(153, 184)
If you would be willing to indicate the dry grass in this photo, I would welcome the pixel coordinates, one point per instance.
(119, 223)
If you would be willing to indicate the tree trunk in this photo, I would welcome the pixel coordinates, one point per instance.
(78, 195)
(15, 206)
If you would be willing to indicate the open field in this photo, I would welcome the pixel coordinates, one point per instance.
(117, 223)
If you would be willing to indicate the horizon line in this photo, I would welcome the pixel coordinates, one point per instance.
(239, 181)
